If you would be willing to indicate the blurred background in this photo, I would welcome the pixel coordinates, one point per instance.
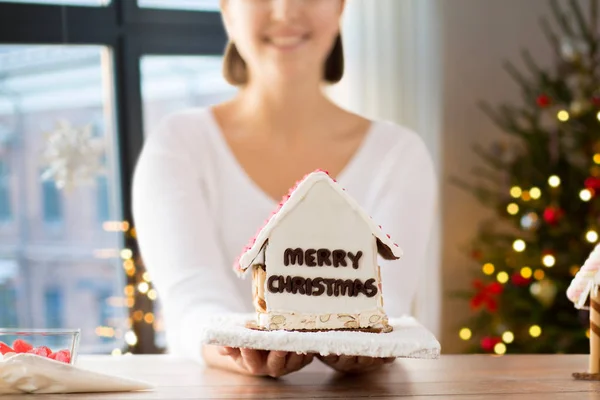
(506, 95)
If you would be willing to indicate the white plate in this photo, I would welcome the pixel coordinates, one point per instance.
(409, 339)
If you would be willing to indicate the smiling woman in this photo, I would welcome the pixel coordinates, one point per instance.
(208, 177)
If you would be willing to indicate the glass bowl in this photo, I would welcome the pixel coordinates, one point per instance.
(50, 343)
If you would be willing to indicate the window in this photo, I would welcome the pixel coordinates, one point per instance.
(53, 301)
(8, 294)
(102, 199)
(196, 5)
(60, 89)
(66, 65)
(51, 203)
(5, 201)
(63, 2)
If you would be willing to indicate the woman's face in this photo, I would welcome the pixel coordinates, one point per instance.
(283, 38)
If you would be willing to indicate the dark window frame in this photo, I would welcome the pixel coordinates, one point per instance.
(131, 32)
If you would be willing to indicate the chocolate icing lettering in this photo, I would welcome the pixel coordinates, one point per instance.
(370, 288)
(342, 287)
(318, 283)
(271, 282)
(323, 257)
(310, 258)
(298, 285)
(329, 283)
(355, 258)
(292, 256)
(359, 287)
(339, 258)
(320, 286)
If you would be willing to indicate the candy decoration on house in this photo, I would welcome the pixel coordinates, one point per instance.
(72, 156)
(584, 293)
(314, 263)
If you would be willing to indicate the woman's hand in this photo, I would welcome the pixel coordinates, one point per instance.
(266, 363)
(354, 364)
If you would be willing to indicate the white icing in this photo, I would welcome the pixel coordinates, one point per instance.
(321, 220)
(297, 196)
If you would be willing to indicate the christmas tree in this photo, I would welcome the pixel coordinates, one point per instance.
(542, 180)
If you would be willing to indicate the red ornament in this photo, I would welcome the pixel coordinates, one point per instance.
(596, 101)
(592, 183)
(518, 280)
(486, 295)
(552, 215)
(488, 342)
(543, 100)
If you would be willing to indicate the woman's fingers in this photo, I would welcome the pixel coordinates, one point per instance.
(294, 362)
(254, 360)
(228, 351)
(347, 362)
(365, 362)
(276, 363)
(308, 358)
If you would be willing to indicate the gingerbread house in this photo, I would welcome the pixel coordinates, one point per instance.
(584, 292)
(314, 262)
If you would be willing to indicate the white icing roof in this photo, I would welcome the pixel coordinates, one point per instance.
(385, 244)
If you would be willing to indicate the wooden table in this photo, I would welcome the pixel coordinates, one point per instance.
(451, 377)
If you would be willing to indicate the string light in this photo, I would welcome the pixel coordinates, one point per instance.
(105, 331)
(519, 245)
(587, 333)
(548, 260)
(128, 290)
(500, 348)
(563, 116)
(115, 226)
(143, 287)
(116, 352)
(512, 208)
(598, 115)
(574, 270)
(488, 268)
(585, 195)
(535, 193)
(128, 264)
(539, 274)
(138, 315)
(597, 158)
(465, 334)
(131, 338)
(146, 276)
(591, 236)
(554, 181)
(508, 337)
(502, 277)
(149, 318)
(515, 192)
(526, 196)
(535, 331)
(130, 302)
(526, 272)
(152, 294)
(126, 254)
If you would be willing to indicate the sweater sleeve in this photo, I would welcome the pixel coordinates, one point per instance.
(404, 204)
(178, 239)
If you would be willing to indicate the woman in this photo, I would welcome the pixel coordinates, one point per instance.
(208, 178)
